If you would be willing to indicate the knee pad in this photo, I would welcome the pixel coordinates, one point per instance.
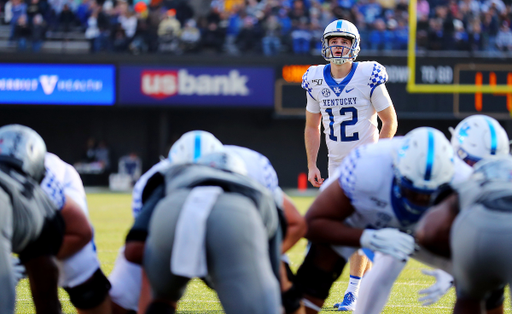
(495, 299)
(316, 282)
(91, 293)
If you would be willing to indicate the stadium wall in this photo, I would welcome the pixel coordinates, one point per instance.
(147, 120)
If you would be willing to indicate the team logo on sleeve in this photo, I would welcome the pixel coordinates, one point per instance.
(326, 92)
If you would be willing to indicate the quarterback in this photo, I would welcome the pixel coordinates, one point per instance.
(346, 96)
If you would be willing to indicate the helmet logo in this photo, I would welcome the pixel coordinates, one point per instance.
(463, 133)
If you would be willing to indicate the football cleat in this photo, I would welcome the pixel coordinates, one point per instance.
(348, 304)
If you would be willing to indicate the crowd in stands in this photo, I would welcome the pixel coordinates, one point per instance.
(267, 27)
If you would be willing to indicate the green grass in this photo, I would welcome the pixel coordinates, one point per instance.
(111, 217)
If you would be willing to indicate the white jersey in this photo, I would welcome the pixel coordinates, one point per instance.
(62, 178)
(348, 115)
(367, 178)
(260, 169)
(60, 174)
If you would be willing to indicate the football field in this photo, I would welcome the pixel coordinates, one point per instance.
(111, 217)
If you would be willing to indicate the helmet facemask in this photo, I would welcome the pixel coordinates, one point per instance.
(416, 201)
(347, 53)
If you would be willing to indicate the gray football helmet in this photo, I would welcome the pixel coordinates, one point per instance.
(22, 147)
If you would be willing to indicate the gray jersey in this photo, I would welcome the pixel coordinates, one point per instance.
(189, 176)
(481, 236)
(30, 207)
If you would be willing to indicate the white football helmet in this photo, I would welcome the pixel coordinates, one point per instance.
(423, 165)
(478, 137)
(224, 160)
(341, 28)
(22, 147)
(192, 145)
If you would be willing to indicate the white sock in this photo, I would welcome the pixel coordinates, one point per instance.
(353, 285)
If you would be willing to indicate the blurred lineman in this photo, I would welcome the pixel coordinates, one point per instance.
(383, 188)
(213, 222)
(31, 225)
(478, 218)
(347, 97)
(80, 273)
(126, 277)
(475, 138)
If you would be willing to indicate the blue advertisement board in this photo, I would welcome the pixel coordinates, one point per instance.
(202, 86)
(57, 84)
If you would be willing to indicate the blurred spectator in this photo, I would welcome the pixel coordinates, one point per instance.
(169, 31)
(66, 19)
(38, 32)
(301, 37)
(126, 26)
(401, 35)
(155, 14)
(249, 36)
(504, 37)
(98, 29)
(18, 9)
(212, 35)
(272, 38)
(8, 12)
(435, 35)
(380, 37)
(83, 12)
(102, 154)
(22, 32)
(139, 42)
(490, 27)
(190, 36)
(130, 165)
(461, 36)
(32, 9)
(371, 11)
(476, 42)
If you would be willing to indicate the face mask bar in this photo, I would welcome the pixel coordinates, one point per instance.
(467, 158)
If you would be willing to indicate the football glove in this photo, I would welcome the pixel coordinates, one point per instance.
(444, 282)
(18, 269)
(388, 241)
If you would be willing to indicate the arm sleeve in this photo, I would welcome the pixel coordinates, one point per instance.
(139, 230)
(380, 98)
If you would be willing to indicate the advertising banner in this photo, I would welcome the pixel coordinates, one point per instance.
(201, 86)
(57, 84)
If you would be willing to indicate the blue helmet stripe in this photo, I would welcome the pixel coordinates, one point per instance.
(494, 139)
(338, 24)
(430, 155)
(197, 146)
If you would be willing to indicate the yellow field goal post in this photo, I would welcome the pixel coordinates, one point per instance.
(456, 88)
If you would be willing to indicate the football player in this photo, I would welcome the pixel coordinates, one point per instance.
(476, 221)
(346, 96)
(126, 278)
(383, 188)
(31, 225)
(80, 272)
(213, 222)
(474, 138)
